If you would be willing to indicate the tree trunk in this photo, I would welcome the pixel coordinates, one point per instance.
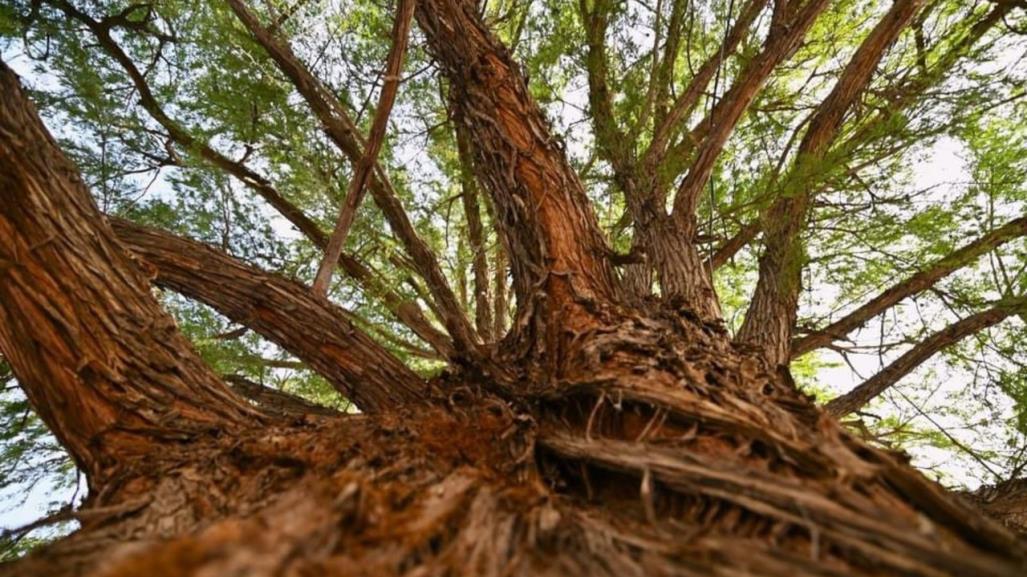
(77, 322)
(616, 441)
(771, 316)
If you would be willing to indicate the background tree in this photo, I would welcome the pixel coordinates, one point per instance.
(574, 348)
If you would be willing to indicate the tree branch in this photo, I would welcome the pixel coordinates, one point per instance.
(476, 235)
(274, 401)
(355, 194)
(910, 286)
(770, 320)
(409, 313)
(685, 103)
(925, 349)
(782, 42)
(283, 311)
(101, 363)
(551, 233)
(341, 129)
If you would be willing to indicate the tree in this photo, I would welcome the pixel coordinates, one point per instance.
(617, 427)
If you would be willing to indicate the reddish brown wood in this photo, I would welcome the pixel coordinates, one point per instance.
(101, 363)
(281, 310)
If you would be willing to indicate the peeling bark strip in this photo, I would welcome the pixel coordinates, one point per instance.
(919, 282)
(341, 129)
(925, 349)
(770, 320)
(355, 194)
(548, 224)
(99, 360)
(407, 312)
(282, 311)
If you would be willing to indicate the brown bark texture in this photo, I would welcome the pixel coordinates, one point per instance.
(605, 436)
(282, 311)
(100, 361)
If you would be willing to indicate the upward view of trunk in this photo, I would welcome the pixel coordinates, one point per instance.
(605, 435)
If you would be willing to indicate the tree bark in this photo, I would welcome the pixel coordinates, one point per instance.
(282, 311)
(101, 363)
(649, 445)
(770, 319)
(555, 246)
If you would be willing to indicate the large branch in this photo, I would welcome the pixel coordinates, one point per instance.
(409, 313)
(925, 349)
(908, 287)
(685, 103)
(550, 231)
(783, 40)
(282, 311)
(341, 129)
(355, 194)
(99, 360)
(669, 240)
(770, 320)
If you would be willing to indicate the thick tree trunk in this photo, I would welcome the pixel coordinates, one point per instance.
(101, 363)
(648, 444)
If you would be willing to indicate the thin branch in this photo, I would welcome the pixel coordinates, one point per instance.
(400, 37)
(911, 286)
(925, 349)
(343, 132)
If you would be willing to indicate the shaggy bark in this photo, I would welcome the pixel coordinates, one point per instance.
(282, 311)
(101, 363)
(550, 232)
(625, 441)
(1006, 502)
(476, 236)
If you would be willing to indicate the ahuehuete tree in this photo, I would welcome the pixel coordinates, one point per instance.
(600, 419)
